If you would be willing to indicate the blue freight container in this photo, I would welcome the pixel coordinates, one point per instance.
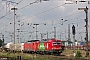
(81, 43)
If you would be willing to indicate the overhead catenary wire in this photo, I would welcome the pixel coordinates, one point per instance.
(37, 13)
(18, 3)
(40, 13)
(9, 12)
(0, 1)
(31, 4)
(68, 16)
(18, 9)
(65, 17)
(74, 20)
(28, 5)
(44, 11)
(5, 15)
(1, 9)
(72, 14)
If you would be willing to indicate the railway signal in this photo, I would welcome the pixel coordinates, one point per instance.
(86, 20)
(73, 30)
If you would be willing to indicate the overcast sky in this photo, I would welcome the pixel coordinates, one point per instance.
(53, 13)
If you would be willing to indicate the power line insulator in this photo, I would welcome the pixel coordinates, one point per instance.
(85, 38)
(88, 2)
(85, 25)
(76, 2)
(85, 20)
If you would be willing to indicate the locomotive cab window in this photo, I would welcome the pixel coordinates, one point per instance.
(56, 43)
(59, 43)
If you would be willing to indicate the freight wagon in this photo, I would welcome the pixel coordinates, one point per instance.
(14, 47)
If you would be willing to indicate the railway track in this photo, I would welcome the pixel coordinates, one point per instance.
(55, 57)
(45, 57)
(63, 56)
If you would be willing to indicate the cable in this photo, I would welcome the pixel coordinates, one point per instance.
(1, 1)
(18, 3)
(18, 9)
(28, 5)
(8, 12)
(1, 9)
(68, 19)
(41, 12)
(5, 15)
(44, 11)
(73, 22)
(68, 16)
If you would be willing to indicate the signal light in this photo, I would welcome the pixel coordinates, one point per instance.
(73, 30)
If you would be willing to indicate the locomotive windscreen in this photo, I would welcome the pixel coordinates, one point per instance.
(56, 43)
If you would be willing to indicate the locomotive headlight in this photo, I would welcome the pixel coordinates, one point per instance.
(52, 48)
(60, 48)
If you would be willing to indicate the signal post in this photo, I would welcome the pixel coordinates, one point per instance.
(86, 38)
(73, 32)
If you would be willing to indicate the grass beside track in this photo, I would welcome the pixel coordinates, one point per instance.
(66, 55)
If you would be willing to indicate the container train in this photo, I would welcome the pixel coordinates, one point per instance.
(44, 46)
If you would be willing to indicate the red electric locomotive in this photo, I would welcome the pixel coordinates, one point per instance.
(51, 46)
(31, 46)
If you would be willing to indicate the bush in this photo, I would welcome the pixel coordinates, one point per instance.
(78, 54)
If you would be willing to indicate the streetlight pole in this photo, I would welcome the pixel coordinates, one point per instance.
(86, 20)
(14, 23)
(36, 31)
